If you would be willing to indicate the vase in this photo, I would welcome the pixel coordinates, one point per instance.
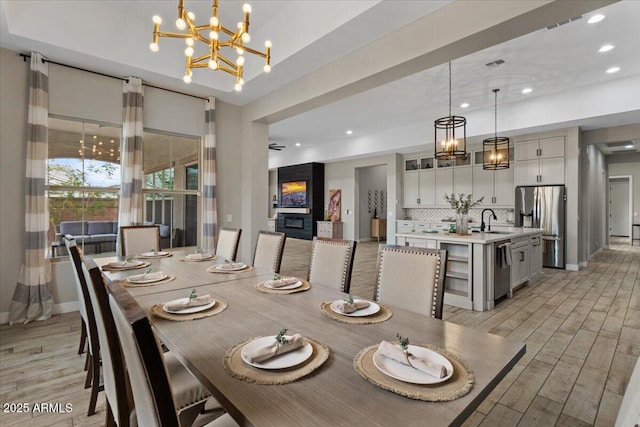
(462, 223)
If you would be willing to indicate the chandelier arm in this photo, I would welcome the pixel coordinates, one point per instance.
(255, 52)
(174, 35)
(226, 31)
(226, 61)
(202, 27)
(201, 58)
(228, 70)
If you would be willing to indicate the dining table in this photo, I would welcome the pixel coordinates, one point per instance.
(334, 394)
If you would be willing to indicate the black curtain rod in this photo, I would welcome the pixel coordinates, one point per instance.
(25, 56)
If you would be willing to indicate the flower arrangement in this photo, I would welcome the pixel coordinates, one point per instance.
(462, 203)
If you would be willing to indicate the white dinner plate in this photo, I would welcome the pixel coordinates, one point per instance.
(281, 361)
(189, 310)
(141, 278)
(372, 309)
(285, 287)
(154, 254)
(240, 266)
(124, 264)
(408, 374)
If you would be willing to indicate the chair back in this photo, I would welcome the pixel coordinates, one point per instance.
(150, 382)
(412, 278)
(269, 249)
(332, 263)
(113, 371)
(70, 242)
(228, 240)
(137, 239)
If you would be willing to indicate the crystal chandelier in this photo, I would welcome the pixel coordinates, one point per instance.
(209, 35)
(450, 146)
(495, 149)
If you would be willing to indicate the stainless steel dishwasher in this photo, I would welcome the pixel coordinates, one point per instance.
(501, 270)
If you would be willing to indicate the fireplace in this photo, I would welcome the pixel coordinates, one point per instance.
(294, 222)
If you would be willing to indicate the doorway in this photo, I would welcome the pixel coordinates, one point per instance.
(620, 194)
(371, 205)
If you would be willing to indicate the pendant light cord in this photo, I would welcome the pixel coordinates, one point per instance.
(449, 88)
(495, 134)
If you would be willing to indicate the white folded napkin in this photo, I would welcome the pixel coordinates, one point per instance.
(156, 275)
(123, 264)
(193, 302)
(231, 266)
(396, 353)
(345, 307)
(283, 281)
(198, 256)
(268, 351)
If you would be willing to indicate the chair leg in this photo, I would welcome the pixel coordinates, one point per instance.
(95, 385)
(87, 361)
(89, 368)
(109, 422)
(83, 337)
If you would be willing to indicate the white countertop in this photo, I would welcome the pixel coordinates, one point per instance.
(512, 233)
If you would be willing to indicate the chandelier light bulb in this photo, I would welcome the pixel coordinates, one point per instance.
(157, 20)
(239, 50)
(246, 38)
(186, 78)
(188, 51)
(267, 68)
(212, 64)
(213, 35)
(267, 43)
(191, 15)
(154, 47)
(238, 87)
(189, 41)
(180, 24)
(240, 60)
(239, 25)
(241, 82)
(246, 8)
(213, 21)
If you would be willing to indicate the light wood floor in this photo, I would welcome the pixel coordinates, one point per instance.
(582, 331)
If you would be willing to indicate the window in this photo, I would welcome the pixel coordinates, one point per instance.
(83, 181)
(172, 187)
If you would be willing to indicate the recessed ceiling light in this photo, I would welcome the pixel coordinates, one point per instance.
(527, 90)
(298, 144)
(349, 132)
(628, 146)
(595, 18)
(464, 105)
(613, 70)
(606, 48)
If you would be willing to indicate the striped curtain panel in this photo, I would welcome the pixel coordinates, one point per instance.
(209, 210)
(32, 299)
(131, 205)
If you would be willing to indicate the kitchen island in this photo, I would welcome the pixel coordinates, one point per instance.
(473, 279)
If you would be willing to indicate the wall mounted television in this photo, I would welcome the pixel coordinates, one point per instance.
(293, 194)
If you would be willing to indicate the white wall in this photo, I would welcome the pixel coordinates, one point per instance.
(628, 164)
(595, 198)
(370, 178)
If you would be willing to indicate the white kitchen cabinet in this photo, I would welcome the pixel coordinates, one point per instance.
(540, 162)
(418, 184)
(520, 264)
(330, 229)
(404, 226)
(495, 186)
(463, 180)
(444, 185)
(458, 281)
(427, 190)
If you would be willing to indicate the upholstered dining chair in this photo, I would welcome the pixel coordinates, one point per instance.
(92, 364)
(116, 385)
(136, 239)
(189, 394)
(332, 263)
(228, 240)
(153, 391)
(269, 249)
(412, 278)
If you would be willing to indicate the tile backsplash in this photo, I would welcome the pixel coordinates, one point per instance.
(437, 214)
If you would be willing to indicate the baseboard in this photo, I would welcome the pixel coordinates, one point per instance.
(573, 267)
(65, 307)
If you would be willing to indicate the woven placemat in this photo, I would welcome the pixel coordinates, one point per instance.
(153, 256)
(383, 315)
(237, 368)
(106, 267)
(185, 259)
(219, 307)
(455, 387)
(128, 284)
(213, 269)
(305, 287)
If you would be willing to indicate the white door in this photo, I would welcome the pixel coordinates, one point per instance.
(619, 207)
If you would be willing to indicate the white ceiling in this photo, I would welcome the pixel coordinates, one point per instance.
(113, 37)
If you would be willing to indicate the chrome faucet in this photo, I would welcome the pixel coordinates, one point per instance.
(482, 224)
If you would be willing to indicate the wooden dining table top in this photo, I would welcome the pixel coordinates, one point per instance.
(335, 394)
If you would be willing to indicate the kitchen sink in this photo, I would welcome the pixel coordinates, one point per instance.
(493, 232)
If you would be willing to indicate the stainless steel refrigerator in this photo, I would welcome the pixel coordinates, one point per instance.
(545, 207)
